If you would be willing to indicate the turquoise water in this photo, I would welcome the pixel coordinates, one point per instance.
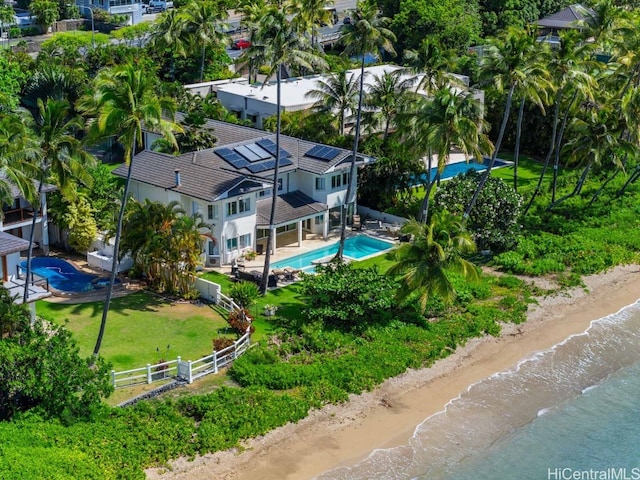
(453, 169)
(357, 247)
(569, 410)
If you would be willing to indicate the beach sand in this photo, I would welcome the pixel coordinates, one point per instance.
(340, 435)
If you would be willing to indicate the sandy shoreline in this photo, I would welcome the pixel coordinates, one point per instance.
(340, 435)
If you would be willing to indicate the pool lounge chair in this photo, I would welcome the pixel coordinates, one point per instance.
(356, 224)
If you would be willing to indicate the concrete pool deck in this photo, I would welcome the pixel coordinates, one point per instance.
(383, 231)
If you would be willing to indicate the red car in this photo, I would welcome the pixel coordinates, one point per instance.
(241, 44)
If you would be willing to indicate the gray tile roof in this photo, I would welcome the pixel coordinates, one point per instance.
(205, 175)
(11, 244)
(289, 207)
(15, 192)
(567, 18)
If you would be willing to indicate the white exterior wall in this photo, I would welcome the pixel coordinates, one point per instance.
(13, 260)
(305, 182)
(142, 192)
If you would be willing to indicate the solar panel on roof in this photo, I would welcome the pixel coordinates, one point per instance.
(270, 147)
(268, 165)
(322, 152)
(247, 153)
(261, 152)
(231, 157)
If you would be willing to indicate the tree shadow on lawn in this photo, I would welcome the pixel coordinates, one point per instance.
(136, 302)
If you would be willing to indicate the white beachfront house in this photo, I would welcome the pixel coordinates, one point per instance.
(15, 227)
(255, 102)
(230, 185)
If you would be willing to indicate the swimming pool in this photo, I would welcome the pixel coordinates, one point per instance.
(453, 169)
(64, 276)
(358, 247)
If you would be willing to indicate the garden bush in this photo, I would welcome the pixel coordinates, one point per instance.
(494, 220)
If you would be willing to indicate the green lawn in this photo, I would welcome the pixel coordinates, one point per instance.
(139, 329)
(529, 171)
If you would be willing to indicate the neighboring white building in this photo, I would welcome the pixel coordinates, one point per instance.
(131, 8)
(230, 186)
(258, 101)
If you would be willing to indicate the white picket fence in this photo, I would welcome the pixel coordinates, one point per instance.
(180, 369)
(187, 370)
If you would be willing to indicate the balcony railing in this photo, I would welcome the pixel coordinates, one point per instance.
(18, 215)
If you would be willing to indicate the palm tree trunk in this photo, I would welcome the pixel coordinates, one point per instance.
(274, 196)
(547, 160)
(632, 178)
(352, 170)
(424, 210)
(114, 262)
(576, 190)
(556, 160)
(516, 155)
(615, 174)
(25, 296)
(202, 64)
(486, 174)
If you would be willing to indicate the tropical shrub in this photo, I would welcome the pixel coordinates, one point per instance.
(240, 320)
(40, 368)
(244, 294)
(494, 220)
(348, 298)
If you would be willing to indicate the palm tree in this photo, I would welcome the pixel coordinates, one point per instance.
(124, 99)
(435, 250)
(506, 62)
(432, 62)
(450, 119)
(170, 33)
(570, 72)
(336, 94)
(204, 21)
(382, 102)
(597, 140)
(280, 45)
(310, 14)
(252, 12)
(62, 159)
(18, 151)
(366, 34)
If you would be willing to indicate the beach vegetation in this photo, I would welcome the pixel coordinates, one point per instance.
(495, 219)
(434, 250)
(348, 298)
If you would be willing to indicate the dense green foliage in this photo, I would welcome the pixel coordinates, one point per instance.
(495, 218)
(577, 240)
(41, 369)
(347, 298)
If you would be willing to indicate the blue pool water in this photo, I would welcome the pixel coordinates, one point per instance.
(354, 247)
(64, 276)
(454, 169)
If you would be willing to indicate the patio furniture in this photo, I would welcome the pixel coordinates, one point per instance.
(291, 274)
(280, 274)
(356, 223)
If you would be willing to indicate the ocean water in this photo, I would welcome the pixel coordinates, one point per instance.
(572, 411)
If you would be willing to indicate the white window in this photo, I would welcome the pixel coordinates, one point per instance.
(319, 220)
(212, 212)
(287, 228)
(262, 233)
(241, 206)
(336, 181)
(319, 183)
(213, 248)
(264, 193)
(280, 184)
(243, 241)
